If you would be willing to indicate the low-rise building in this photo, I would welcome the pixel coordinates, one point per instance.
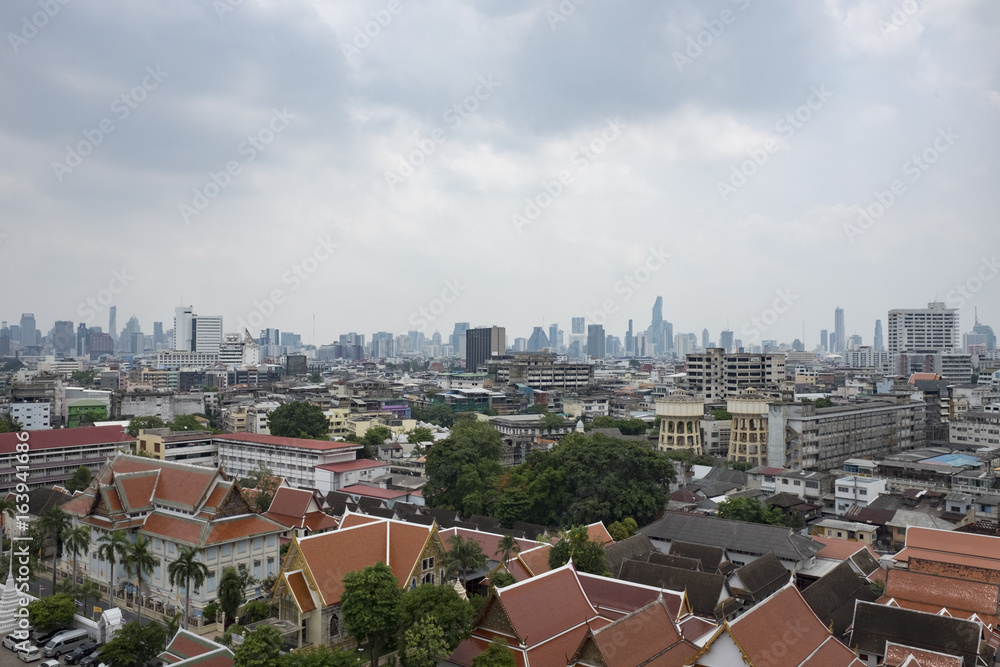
(295, 459)
(851, 531)
(857, 492)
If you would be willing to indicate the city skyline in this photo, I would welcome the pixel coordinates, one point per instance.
(276, 160)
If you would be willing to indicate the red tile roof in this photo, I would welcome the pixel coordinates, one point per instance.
(615, 598)
(536, 560)
(645, 634)
(546, 605)
(297, 443)
(352, 519)
(597, 531)
(931, 593)
(67, 437)
(488, 541)
(291, 502)
(226, 530)
(836, 549)
(951, 547)
(347, 466)
(174, 528)
(897, 654)
(300, 590)
(136, 490)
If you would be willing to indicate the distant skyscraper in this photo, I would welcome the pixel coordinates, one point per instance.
(704, 338)
(578, 325)
(855, 341)
(726, 341)
(113, 323)
(554, 337)
(158, 337)
(183, 328)
(482, 344)
(596, 341)
(629, 341)
(63, 339)
(986, 331)
(838, 329)
(81, 339)
(538, 341)
(28, 334)
(458, 339)
(878, 342)
(824, 340)
(656, 325)
(682, 345)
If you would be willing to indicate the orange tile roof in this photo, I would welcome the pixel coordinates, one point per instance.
(297, 443)
(951, 547)
(636, 638)
(317, 521)
(897, 654)
(136, 490)
(614, 598)
(840, 549)
(352, 519)
(178, 529)
(488, 541)
(546, 605)
(935, 592)
(226, 530)
(291, 502)
(536, 560)
(79, 505)
(300, 590)
(218, 494)
(187, 645)
(67, 437)
(597, 531)
(184, 486)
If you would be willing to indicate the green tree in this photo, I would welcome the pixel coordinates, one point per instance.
(265, 482)
(185, 570)
(501, 578)
(138, 560)
(370, 606)
(824, 402)
(551, 421)
(299, 420)
(419, 435)
(374, 438)
(722, 414)
(536, 409)
(424, 644)
(142, 423)
(80, 480)
(54, 522)
(507, 548)
(55, 611)
(750, 510)
(622, 530)
(77, 541)
(9, 425)
(211, 611)
(88, 589)
(471, 451)
(231, 593)
(111, 547)
(185, 423)
(255, 610)
(465, 555)
(497, 655)
(315, 378)
(320, 656)
(134, 645)
(587, 554)
(260, 648)
(442, 604)
(438, 414)
(84, 379)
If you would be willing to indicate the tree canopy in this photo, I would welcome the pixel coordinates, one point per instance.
(750, 510)
(143, 423)
(320, 656)
(231, 592)
(370, 606)
(439, 414)
(587, 553)
(54, 611)
(626, 426)
(265, 482)
(464, 469)
(419, 435)
(299, 420)
(260, 648)
(134, 645)
(80, 480)
(498, 654)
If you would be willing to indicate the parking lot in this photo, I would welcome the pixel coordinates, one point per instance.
(9, 658)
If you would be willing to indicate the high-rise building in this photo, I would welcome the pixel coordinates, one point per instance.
(29, 335)
(458, 339)
(158, 337)
(824, 340)
(483, 343)
(704, 338)
(63, 339)
(838, 329)
(878, 343)
(986, 331)
(184, 328)
(5, 339)
(682, 344)
(578, 326)
(554, 337)
(113, 323)
(596, 341)
(81, 339)
(383, 345)
(726, 341)
(656, 325)
(629, 341)
(208, 333)
(934, 328)
(538, 341)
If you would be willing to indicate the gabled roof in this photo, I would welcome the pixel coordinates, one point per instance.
(931, 593)
(536, 561)
(488, 541)
(545, 606)
(753, 538)
(898, 655)
(597, 531)
(762, 577)
(614, 598)
(710, 557)
(706, 591)
(636, 547)
(951, 547)
(673, 561)
(187, 649)
(876, 624)
(833, 595)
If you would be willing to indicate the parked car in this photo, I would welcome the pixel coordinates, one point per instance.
(30, 654)
(11, 642)
(91, 659)
(81, 652)
(51, 663)
(42, 637)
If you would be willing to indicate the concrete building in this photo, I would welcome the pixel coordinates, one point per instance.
(976, 427)
(867, 357)
(714, 374)
(482, 344)
(857, 492)
(190, 447)
(32, 415)
(680, 423)
(839, 331)
(715, 436)
(596, 341)
(748, 441)
(166, 405)
(931, 328)
(539, 371)
(295, 459)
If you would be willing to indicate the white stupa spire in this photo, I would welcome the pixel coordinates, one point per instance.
(8, 599)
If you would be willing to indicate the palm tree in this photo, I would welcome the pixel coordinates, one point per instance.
(185, 569)
(77, 540)
(54, 522)
(138, 558)
(465, 554)
(507, 548)
(110, 547)
(88, 589)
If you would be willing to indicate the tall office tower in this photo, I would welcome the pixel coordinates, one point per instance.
(28, 333)
(833, 343)
(629, 342)
(656, 323)
(184, 328)
(934, 328)
(383, 345)
(726, 341)
(704, 338)
(458, 339)
(986, 331)
(63, 339)
(554, 337)
(838, 329)
(854, 341)
(824, 340)
(81, 339)
(613, 346)
(113, 323)
(668, 336)
(682, 344)
(483, 343)
(208, 333)
(538, 341)
(5, 339)
(878, 343)
(578, 326)
(129, 339)
(596, 341)
(158, 338)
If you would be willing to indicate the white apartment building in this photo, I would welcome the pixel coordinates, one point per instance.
(932, 328)
(33, 416)
(713, 374)
(295, 459)
(976, 427)
(857, 492)
(257, 417)
(867, 357)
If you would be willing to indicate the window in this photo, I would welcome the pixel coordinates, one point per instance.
(427, 564)
(270, 565)
(171, 547)
(862, 492)
(798, 482)
(257, 543)
(210, 553)
(843, 489)
(227, 550)
(241, 547)
(256, 568)
(334, 626)
(428, 578)
(270, 540)
(210, 581)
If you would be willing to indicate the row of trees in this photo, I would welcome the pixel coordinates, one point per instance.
(583, 479)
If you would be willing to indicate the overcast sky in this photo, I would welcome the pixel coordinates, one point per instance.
(524, 160)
